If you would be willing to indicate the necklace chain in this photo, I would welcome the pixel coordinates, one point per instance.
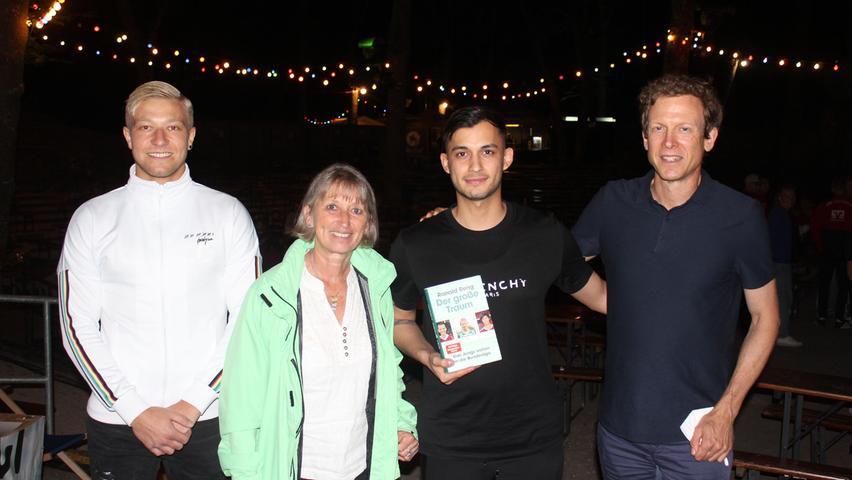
(332, 299)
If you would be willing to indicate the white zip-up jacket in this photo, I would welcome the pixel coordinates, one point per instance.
(151, 279)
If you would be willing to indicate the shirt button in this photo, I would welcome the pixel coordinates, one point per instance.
(344, 341)
(344, 329)
(344, 334)
(346, 348)
(346, 354)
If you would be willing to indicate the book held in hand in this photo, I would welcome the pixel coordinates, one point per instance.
(463, 324)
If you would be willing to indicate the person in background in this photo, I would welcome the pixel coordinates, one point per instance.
(757, 187)
(782, 236)
(832, 221)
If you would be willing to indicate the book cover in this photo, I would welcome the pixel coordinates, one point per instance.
(463, 324)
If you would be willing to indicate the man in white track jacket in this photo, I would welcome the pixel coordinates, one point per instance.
(151, 279)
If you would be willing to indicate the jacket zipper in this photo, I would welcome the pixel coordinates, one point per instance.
(364, 287)
(297, 352)
(162, 303)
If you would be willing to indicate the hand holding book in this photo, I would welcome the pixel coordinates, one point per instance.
(439, 367)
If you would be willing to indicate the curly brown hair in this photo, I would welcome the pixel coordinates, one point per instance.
(676, 85)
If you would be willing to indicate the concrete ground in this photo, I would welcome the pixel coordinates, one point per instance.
(825, 350)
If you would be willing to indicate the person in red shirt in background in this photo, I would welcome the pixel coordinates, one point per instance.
(848, 243)
(832, 221)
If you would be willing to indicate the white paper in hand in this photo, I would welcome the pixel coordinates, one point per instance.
(691, 421)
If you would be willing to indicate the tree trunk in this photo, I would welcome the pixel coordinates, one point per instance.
(676, 58)
(399, 48)
(585, 92)
(13, 45)
(605, 18)
(559, 135)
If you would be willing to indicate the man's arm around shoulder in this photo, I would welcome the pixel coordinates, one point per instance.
(593, 293)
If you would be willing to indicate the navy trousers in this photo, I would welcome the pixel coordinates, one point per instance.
(622, 459)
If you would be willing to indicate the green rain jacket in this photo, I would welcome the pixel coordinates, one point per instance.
(261, 411)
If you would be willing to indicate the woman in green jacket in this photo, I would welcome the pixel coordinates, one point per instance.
(312, 386)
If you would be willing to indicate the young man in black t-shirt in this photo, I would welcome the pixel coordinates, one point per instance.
(502, 418)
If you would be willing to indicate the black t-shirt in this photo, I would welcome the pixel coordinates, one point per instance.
(510, 407)
(675, 281)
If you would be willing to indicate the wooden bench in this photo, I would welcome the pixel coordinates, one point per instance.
(755, 463)
(590, 340)
(838, 421)
(578, 374)
(588, 348)
(570, 376)
(795, 386)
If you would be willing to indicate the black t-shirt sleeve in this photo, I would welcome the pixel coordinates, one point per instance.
(575, 270)
(403, 289)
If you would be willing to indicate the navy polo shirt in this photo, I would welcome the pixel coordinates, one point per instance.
(675, 280)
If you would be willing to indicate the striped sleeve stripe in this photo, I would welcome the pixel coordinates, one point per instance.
(90, 373)
(216, 384)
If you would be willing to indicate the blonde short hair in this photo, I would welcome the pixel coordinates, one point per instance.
(155, 89)
(338, 175)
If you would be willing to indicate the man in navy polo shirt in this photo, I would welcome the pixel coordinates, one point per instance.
(679, 250)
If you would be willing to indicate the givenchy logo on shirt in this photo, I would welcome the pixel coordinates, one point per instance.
(493, 289)
(201, 238)
(838, 215)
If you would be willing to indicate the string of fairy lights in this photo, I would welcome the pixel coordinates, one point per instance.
(42, 19)
(340, 118)
(360, 80)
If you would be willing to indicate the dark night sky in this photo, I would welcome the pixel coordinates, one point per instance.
(451, 41)
(457, 42)
(475, 35)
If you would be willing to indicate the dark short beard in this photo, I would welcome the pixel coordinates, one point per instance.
(482, 196)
